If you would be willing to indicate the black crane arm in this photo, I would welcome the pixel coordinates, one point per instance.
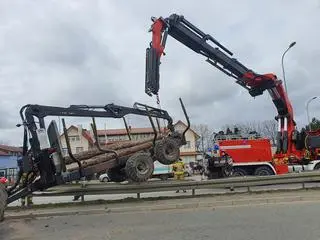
(220, 57)
(30, 111)
(189, 35)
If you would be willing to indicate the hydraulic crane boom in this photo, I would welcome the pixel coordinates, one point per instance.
(185, 32)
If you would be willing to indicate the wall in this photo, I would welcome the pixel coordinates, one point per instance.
(134, 137)
(78, 142)
(190, 138)
(8, 166)
(188, 151)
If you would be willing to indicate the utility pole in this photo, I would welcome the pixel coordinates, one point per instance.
(283, 73)
(307, 109)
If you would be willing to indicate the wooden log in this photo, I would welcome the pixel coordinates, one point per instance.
(114, 146)
(108, 156)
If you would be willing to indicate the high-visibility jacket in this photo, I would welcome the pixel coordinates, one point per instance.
(178, 167)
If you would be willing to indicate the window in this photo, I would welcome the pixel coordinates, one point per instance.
(79, 149)
(102, 139)
(64, 151)
(74, 138)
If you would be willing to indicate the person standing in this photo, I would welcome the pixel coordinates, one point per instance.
(24, 176)
(178, 171)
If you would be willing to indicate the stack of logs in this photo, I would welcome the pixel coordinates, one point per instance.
(95, 156)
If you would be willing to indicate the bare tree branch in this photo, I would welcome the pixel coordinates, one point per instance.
(267, 128)
(206, 139)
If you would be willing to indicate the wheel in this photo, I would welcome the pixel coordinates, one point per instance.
(105, 179)
(239, 172)
(317, 167)
(3, 201)
(139, 167)
(263, 171)
(167, 151)
(117, 174)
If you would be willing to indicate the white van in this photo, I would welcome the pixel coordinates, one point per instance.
(162, 171)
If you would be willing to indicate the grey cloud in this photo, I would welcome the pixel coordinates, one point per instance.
(77, 52)
(5, 119)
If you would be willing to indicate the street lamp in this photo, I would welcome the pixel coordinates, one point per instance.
(307, 108)
(283, 73)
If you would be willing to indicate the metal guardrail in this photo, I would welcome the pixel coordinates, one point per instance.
(236, 182)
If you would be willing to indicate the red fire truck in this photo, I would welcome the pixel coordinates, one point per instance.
(253, 155)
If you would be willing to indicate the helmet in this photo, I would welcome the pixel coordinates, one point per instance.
(3, 180)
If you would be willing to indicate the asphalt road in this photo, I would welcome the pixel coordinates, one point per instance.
(294, 221)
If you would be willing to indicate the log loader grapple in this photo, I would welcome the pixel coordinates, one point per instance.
(42, 157)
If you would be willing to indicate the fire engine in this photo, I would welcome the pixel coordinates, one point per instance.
(252, 154)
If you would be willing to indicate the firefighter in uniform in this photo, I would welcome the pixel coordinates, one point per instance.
(24, 176)
(178, 171)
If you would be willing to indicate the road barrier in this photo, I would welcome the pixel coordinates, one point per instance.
(160, 186)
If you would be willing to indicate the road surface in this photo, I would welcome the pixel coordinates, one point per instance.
(292, 221)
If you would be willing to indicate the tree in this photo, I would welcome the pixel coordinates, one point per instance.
(315, 124)
(267, 128)
(206, 137)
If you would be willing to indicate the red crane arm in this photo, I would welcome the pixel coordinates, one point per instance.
(189, 35)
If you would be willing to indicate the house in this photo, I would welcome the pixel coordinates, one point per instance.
(11, 150)
(188, 152)
(8, 161)
(116, 135)
(80, 140)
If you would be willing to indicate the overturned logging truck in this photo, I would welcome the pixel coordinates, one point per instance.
(45, 165)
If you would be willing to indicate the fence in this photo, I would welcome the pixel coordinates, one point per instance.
(236, 182)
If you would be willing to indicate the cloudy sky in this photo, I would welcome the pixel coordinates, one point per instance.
(93, 52)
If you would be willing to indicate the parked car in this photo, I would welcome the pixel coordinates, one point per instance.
(104, 178)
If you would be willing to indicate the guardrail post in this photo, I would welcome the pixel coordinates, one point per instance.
(138, 195)
(83, 185)
(303, 185)
(193, 192)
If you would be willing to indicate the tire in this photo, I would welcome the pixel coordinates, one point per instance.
(117, 174)
(139, 167)
(317, 167)
(167, 151)
(3, 201)
(239, 172)
(263, 171)
(105, 179)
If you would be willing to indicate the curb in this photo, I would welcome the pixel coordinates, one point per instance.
(163, 207)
